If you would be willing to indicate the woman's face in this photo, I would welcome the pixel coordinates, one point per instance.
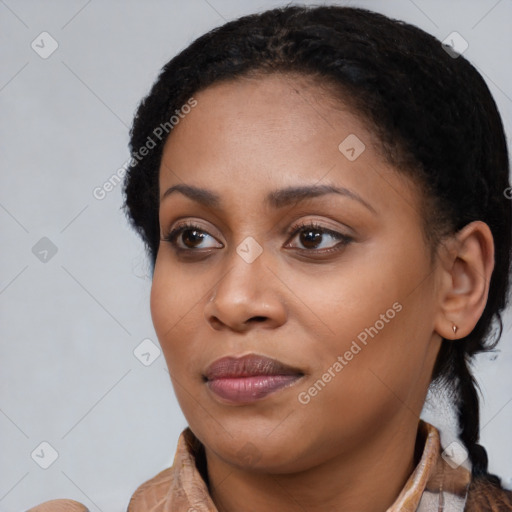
(302, 246)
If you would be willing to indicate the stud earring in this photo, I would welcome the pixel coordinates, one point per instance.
(454, 329)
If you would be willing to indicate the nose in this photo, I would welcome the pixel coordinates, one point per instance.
(247, 296)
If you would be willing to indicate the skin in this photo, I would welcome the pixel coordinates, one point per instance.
(299, 305)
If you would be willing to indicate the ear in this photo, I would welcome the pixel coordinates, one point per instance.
(466, 268)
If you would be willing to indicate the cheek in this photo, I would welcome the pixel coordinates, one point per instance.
(174, 308)
(163, 303)
(379, 319)
(386, 361)
(343, 303)
(361, 384)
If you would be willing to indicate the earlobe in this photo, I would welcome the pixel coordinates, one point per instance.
(467, 269)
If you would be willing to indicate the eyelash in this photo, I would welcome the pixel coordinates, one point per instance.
(292, 233)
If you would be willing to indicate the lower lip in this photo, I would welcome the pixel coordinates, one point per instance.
(250, 389)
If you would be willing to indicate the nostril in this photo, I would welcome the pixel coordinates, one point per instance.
(259, 318)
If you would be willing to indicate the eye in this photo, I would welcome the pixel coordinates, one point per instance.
(315, 238)
(189, 236)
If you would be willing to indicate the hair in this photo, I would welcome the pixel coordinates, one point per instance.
(430, 109)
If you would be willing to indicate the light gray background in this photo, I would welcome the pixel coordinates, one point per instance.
(69, 325)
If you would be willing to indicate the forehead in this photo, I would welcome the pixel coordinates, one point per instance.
(272, 104)
(280, 118)
(257, 133)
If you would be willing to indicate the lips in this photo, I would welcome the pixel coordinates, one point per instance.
(249, 378)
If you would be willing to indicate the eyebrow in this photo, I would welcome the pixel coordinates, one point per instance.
(276, 199)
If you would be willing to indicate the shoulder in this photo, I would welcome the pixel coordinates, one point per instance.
(59, 506)
(148, 497)
(485, 495)
(153, 493)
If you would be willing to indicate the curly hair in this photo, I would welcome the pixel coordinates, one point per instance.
(430, 109)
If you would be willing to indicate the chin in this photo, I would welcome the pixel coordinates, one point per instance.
(258, 452)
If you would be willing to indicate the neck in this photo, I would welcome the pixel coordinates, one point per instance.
(367, 479)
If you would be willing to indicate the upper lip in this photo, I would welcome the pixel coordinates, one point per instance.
(248, 366)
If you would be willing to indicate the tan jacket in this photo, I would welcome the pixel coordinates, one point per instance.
(434, 485)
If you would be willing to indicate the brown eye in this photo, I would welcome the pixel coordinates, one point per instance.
(310, 238)
(315, 238)
(190, 237)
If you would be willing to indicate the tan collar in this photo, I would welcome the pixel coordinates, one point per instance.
(434, 485)
(437, 483)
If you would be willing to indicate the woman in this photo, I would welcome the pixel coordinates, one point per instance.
(323, 195)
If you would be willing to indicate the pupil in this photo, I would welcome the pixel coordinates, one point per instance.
(310, 238)
(193, 237)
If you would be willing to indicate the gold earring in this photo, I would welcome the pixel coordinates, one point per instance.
(454, 329)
